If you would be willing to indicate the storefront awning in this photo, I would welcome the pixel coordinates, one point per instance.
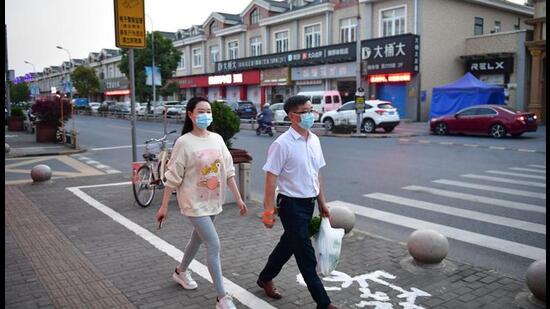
(118, 92)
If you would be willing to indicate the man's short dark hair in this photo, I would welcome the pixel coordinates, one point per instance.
(292, 103)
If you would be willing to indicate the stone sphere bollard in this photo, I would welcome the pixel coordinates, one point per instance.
(342, 217)
(7, 147)
(428, 246)
(536, 279)
(41, 172)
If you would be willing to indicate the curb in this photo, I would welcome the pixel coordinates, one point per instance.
(46, 153)
(382, 135)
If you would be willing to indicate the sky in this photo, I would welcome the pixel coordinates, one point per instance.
(36, 27)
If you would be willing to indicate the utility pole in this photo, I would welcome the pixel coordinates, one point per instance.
(133, 102)
(359, 94)
(8, 100)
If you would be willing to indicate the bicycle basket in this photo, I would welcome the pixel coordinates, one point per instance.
(152, 148)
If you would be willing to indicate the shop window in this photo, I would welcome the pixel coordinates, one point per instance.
(312, 36)
(478, 26)
(347, 30)
(392, 21)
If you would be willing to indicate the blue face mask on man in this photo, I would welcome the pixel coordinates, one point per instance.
(307, 120)
(203, 120)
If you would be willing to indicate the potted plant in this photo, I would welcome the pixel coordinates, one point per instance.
(226, 123)
(16, 120)
(48, 115)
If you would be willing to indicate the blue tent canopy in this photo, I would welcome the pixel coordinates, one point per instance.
(466, 91)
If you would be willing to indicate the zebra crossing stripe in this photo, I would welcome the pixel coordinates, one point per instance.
(517, 174)
(479, 199)
(491, 188)
(506, 180)
(458, 212)
(527, 170)
(538, 166)
(477, 239)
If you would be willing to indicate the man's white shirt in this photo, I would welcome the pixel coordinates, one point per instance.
(296, 162)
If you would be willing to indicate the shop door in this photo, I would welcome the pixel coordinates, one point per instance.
(396, 94)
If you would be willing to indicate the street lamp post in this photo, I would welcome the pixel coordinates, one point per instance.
(71, 98)
(34, 70)
(153, 61)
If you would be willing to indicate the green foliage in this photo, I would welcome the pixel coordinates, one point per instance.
(225, 122)
(48, 110)
(19, 92)
(169, 89)
(17, 112)
(166, 58)
(314, 226)
(85, 80)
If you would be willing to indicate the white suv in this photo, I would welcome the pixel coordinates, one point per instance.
(378, 114)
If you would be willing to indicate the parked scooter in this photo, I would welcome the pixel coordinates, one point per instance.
(264, 127)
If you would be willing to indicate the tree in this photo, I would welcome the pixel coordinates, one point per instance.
(166, 58)
(19, 92)
(169, 89)
(85, 81)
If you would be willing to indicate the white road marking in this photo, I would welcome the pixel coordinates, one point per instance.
(496, 147)
(527, 170)
(458, 212)
(115, 147)
(491, 188)
(506, 180)
(490, 242)
(423, 141)
(526, 150)
(538, 166)
(517, 174)
(245, 297)
(471, 145)
(479, 199)
(447, 143)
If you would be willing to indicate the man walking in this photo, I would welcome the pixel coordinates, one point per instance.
(293, 164)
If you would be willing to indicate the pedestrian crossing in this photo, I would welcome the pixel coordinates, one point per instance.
(105, 168)
(507, 200)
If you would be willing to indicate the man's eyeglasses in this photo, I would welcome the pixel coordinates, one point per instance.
(302, 112)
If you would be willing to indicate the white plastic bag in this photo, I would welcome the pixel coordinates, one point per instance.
(327, 244)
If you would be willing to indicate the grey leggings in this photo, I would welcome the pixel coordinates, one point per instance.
(205, 232)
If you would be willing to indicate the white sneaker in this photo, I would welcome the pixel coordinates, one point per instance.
(226, 303)
(184, 279)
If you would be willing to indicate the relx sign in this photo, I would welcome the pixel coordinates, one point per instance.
(490, 66)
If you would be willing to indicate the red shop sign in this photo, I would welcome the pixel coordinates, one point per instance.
(234, 79)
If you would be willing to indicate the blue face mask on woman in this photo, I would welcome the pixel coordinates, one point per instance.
(307, 120)
(203, 120)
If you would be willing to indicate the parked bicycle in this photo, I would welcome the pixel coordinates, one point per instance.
(150, 175)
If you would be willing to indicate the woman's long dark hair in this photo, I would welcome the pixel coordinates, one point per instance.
(191, 104)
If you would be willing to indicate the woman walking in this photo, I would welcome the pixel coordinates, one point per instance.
(200, 169)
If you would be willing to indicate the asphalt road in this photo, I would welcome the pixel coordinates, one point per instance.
(496, 220)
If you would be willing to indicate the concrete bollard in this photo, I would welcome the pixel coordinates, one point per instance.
(342, 217)
(536, 279)
(428, 246)
(7, 148)
(244, 181)
(41, 172)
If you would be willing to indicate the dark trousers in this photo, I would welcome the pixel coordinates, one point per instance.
(295, 214)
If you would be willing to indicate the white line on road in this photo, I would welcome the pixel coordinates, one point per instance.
(506, 180)
(423, 141)
(447, 143)
(526, 150)
(115, 147)
(245, 297)
(538, 166)
(458, 212)
(527, 170)
(517, 174)
(466, 145)
(479, 199)
(496, 147)
(491, 188)
(502, 245)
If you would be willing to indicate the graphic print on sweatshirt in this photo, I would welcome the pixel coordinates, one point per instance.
(210, 174)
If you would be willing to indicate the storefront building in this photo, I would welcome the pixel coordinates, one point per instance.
(116, 89)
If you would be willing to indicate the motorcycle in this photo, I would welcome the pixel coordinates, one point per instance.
(264, 127)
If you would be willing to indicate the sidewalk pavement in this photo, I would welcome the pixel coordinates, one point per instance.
(69, 251)
(23, 144)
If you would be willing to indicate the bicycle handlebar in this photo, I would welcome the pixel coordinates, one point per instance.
(157, 140)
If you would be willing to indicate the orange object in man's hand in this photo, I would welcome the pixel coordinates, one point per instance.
(268, 219)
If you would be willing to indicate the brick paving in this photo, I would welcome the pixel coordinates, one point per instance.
(48, 221)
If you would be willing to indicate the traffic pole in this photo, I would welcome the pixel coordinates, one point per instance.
(132, 103)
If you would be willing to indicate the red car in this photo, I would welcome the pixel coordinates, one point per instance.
(495, 120)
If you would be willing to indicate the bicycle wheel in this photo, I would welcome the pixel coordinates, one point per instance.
(144, 189)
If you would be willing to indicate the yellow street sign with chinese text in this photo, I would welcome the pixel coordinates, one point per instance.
(130, 23)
